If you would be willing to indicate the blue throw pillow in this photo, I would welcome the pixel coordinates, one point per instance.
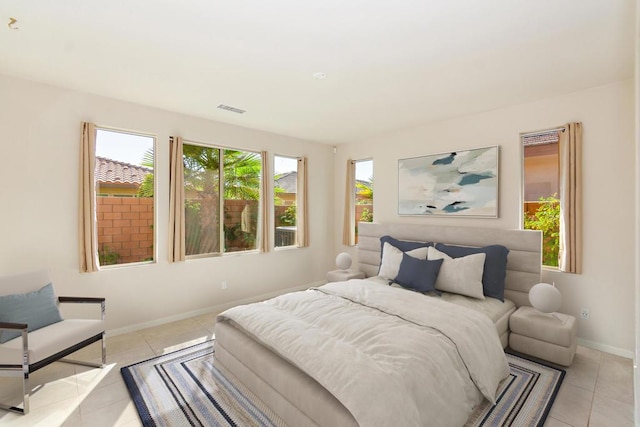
(37, 309)
(418, 274)
(495, 265)
(403, 245)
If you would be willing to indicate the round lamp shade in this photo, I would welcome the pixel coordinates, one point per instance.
(343, 261)
(545, 298)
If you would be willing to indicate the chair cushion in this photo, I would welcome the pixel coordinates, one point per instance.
(50, 340)
(37, 309)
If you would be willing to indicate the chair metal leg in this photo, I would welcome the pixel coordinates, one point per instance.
(104, 348)
(23, 372)
(26, 391)
(91, 364)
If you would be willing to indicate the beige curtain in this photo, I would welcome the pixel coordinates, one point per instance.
(176, 201)
(87, 234)
(302, 204)
(570, 253)
(265, 213)
(349, 227)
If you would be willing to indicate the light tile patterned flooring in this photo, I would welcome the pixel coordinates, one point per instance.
(597, 390)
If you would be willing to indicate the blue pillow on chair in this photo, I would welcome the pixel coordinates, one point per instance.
(37, 309)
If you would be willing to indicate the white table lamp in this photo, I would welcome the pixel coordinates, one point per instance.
(545, 298)
(343, 261)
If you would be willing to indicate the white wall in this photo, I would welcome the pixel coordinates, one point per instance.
(607, 285)
(38, 216)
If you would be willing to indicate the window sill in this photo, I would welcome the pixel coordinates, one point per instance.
(127, 265)
(286, 248)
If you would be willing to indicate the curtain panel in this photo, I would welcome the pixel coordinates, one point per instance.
(87, 233)
(265, 217)
(570, 252)
(302, 201)
(349, 226)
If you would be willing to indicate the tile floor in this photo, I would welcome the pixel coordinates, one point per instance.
(597, 390)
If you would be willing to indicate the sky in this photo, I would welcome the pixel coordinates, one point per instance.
(123, 147)
(364, 170)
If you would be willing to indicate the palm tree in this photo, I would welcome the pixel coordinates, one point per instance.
(241, 177)
(146, 187)
(241, 174)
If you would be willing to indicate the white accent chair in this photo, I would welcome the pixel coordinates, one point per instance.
(23, 355)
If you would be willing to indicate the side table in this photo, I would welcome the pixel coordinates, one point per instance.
(343, 275)
(550, 337)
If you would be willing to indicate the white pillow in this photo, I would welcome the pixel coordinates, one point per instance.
(392, 257)
(459, 275)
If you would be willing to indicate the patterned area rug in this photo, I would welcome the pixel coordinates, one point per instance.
(184, 388)
(524, 399)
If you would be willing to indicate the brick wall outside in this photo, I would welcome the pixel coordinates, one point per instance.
(125, 226)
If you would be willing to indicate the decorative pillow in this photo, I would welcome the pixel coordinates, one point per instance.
(495, 265)
(37, 309)
(403, 245)
(418, 274)
(459, 275)
(392, 257)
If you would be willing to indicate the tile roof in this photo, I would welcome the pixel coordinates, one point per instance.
(541, 138)
(288, 182)
(115, 172)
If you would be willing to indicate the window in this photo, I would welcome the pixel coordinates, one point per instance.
(541, 190)
(124, 164)
(363, 207)
(222, 195)
(285, 189)
(358, 199)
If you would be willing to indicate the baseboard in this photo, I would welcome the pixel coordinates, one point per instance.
(606, 348)
(212, 309)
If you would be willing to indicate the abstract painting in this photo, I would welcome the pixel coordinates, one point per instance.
(457, 183)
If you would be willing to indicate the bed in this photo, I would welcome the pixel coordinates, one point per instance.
(276, 372)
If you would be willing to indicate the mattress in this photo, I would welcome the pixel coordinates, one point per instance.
(296, 397)
(498, 311)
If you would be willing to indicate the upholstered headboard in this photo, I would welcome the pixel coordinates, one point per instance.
(524, 263)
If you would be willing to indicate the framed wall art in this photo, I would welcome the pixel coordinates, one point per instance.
(456, 184)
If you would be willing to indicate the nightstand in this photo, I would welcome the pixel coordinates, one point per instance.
(342, 275)
(549, 337)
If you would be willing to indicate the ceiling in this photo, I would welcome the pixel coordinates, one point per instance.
(388, 64)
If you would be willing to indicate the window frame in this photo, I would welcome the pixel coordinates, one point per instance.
(355, 194)
(295, 244)
(521, 140)
(94, 220)
(221, 234)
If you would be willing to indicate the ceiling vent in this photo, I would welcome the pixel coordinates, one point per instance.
(232, 109)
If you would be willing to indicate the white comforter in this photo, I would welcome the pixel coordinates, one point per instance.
(391, 356)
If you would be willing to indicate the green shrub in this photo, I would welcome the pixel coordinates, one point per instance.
(108, 257)
(289, 217)
(366, 215)
(547, 219)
